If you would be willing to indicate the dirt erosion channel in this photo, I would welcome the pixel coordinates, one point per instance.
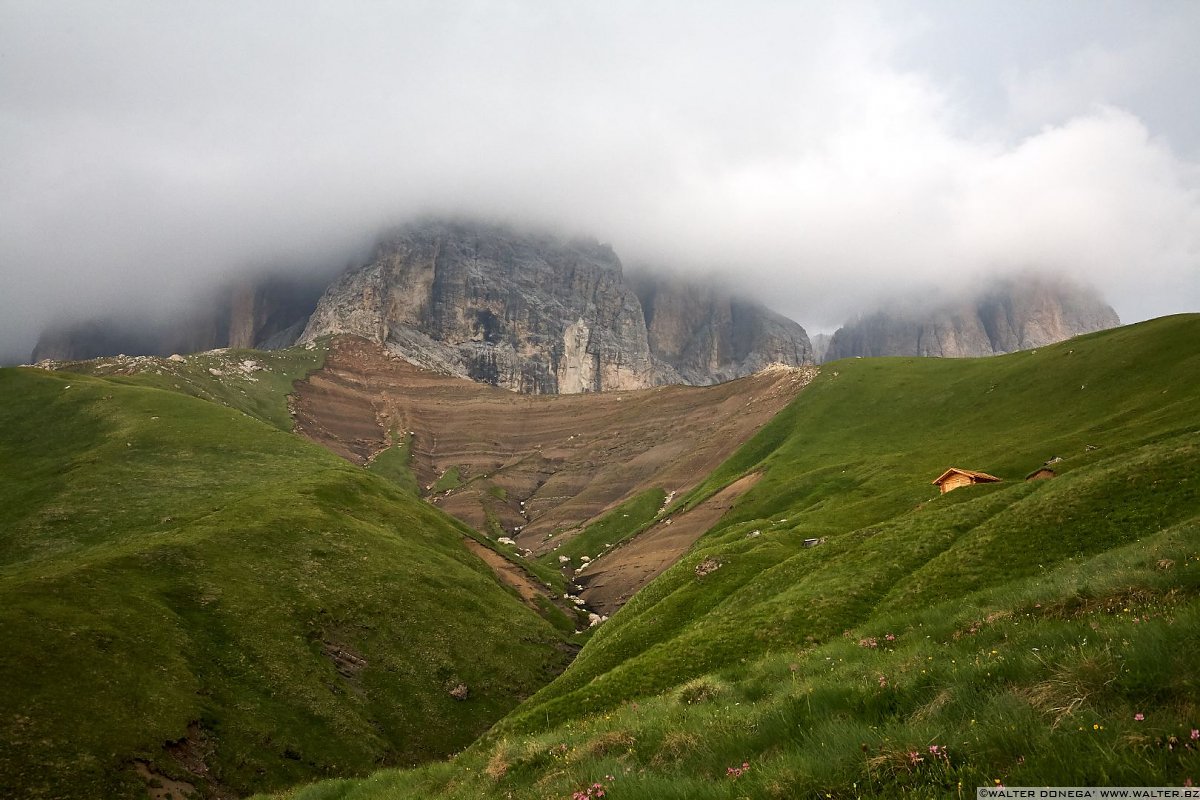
(539, 469)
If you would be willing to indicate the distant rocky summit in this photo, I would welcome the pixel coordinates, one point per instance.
(528, 312)
(541, 314)
(820, 345)
(700, 334)
(264, 313)
(531, 312)
(1010, 314)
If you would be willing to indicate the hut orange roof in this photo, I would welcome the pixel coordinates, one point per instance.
(954, 477)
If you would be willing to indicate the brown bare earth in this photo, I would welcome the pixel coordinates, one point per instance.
(509, 573)
(160, 787)
(609, 581)
(535, 468)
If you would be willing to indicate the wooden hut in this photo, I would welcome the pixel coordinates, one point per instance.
(954, 477)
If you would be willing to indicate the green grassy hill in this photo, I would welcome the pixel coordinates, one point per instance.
(1026, 633)
(188, 592)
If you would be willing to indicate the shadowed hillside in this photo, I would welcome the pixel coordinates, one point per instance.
(193, 597)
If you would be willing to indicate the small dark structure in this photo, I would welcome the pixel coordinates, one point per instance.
(1041, 474)
(954, 477)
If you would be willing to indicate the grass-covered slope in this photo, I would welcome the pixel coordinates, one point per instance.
(254, 381)
(1027, 633)
(626, 520)
(192, 594)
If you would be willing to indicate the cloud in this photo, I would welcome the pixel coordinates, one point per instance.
(152, 148)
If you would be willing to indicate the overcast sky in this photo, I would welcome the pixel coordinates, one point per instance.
(823, 154)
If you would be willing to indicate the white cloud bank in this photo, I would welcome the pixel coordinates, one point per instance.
(800, 149)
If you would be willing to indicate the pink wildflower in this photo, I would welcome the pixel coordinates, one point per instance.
(592, 792)
(891, 637)
(1195, 734)
(914, 757)
(1139, 716)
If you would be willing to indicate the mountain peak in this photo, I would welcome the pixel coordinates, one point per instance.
(1008, 314)
(543, 314)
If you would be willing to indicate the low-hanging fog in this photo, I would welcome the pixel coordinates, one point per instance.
(820, 155)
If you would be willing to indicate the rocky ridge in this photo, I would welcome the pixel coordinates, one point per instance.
(531, 313)
(539, 314)
(1010, 314)
(265, 313)
(700, 334)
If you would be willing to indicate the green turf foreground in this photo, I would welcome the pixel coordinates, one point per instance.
(1025, 633)
(190, 591)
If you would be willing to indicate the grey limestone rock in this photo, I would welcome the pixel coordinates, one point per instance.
(705, 335)
(1008, 315)
(541, 314)
(529, 312)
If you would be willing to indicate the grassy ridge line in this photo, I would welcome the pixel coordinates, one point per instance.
(1069, 382)
(172, 568)
(219, 376)
(77, 450)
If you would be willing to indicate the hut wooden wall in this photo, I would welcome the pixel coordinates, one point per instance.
(954, 481)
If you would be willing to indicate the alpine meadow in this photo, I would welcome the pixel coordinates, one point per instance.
(242, 609)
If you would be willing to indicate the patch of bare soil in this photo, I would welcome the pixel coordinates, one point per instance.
(160, 787)
(510, 574)
(609, 581)
(535, 468)
(191, 753)
(346, 661)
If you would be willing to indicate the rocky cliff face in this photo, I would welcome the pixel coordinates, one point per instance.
(820, 346)
(1009, 315)
(700, 334)
(543, 315)
(531, 313)
(264, 313)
